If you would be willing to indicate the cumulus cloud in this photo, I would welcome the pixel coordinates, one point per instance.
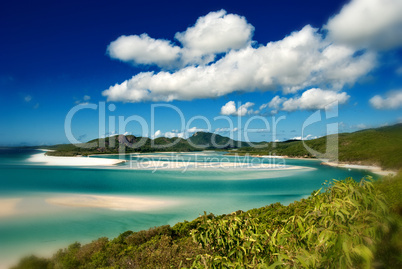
(296, 62)
(157, 134)
(368, 23)
(274, 104)
(307, 137)
(393, 100)
(176, 133)
(143, 49)
(230, 109)
(304, 59)
(214, 33)
(311, 99)
(314, 99)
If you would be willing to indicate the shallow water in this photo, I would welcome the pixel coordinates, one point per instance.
(39, 227)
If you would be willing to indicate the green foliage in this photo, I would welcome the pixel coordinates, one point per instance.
(131, 144)
(380, 146)
(214, 141)
(338, 227)
(389, 250)
(346, 224)
(33, 262)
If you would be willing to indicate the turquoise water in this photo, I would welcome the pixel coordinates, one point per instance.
(42, 228)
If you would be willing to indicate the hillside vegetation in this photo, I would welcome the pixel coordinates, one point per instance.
(379, 146)
(129, 144)
(347, 224)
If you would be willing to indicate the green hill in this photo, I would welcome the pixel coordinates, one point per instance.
(130, 144)
(121, 143)
(214, 141)
(378, 146)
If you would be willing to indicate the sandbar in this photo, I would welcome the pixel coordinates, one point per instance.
(128, 203)
(72, 161)
(8, 207)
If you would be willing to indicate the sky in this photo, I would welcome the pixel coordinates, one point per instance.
(72, 71)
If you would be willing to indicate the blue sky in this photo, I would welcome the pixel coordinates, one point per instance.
(277, 59)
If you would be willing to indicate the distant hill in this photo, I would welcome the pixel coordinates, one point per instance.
(130, 144)
(211, 141)
(378, 146)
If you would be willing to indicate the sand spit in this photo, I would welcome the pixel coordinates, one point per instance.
(113, 202)
(72, 161)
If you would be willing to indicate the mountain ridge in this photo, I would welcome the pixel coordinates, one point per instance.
(375, 146)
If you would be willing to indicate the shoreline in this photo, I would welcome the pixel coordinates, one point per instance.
(150, 165)
(372, 168)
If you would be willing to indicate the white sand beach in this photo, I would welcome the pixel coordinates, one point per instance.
(8, 207)
(375, 169)
(72, 161)
(128, 203)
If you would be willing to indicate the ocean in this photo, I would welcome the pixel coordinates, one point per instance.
(44, 208)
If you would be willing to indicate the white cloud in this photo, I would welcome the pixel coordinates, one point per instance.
(393, 100)
(217, 32)
(86, 97)
(195, 129)
(314, 99)
(229, 109)
(157, 134)
(307, 137)
(144, 50)
(214, 33)
(298, 61)
(275, 103)
(368, 23)
(244, 109)
(176, 133)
